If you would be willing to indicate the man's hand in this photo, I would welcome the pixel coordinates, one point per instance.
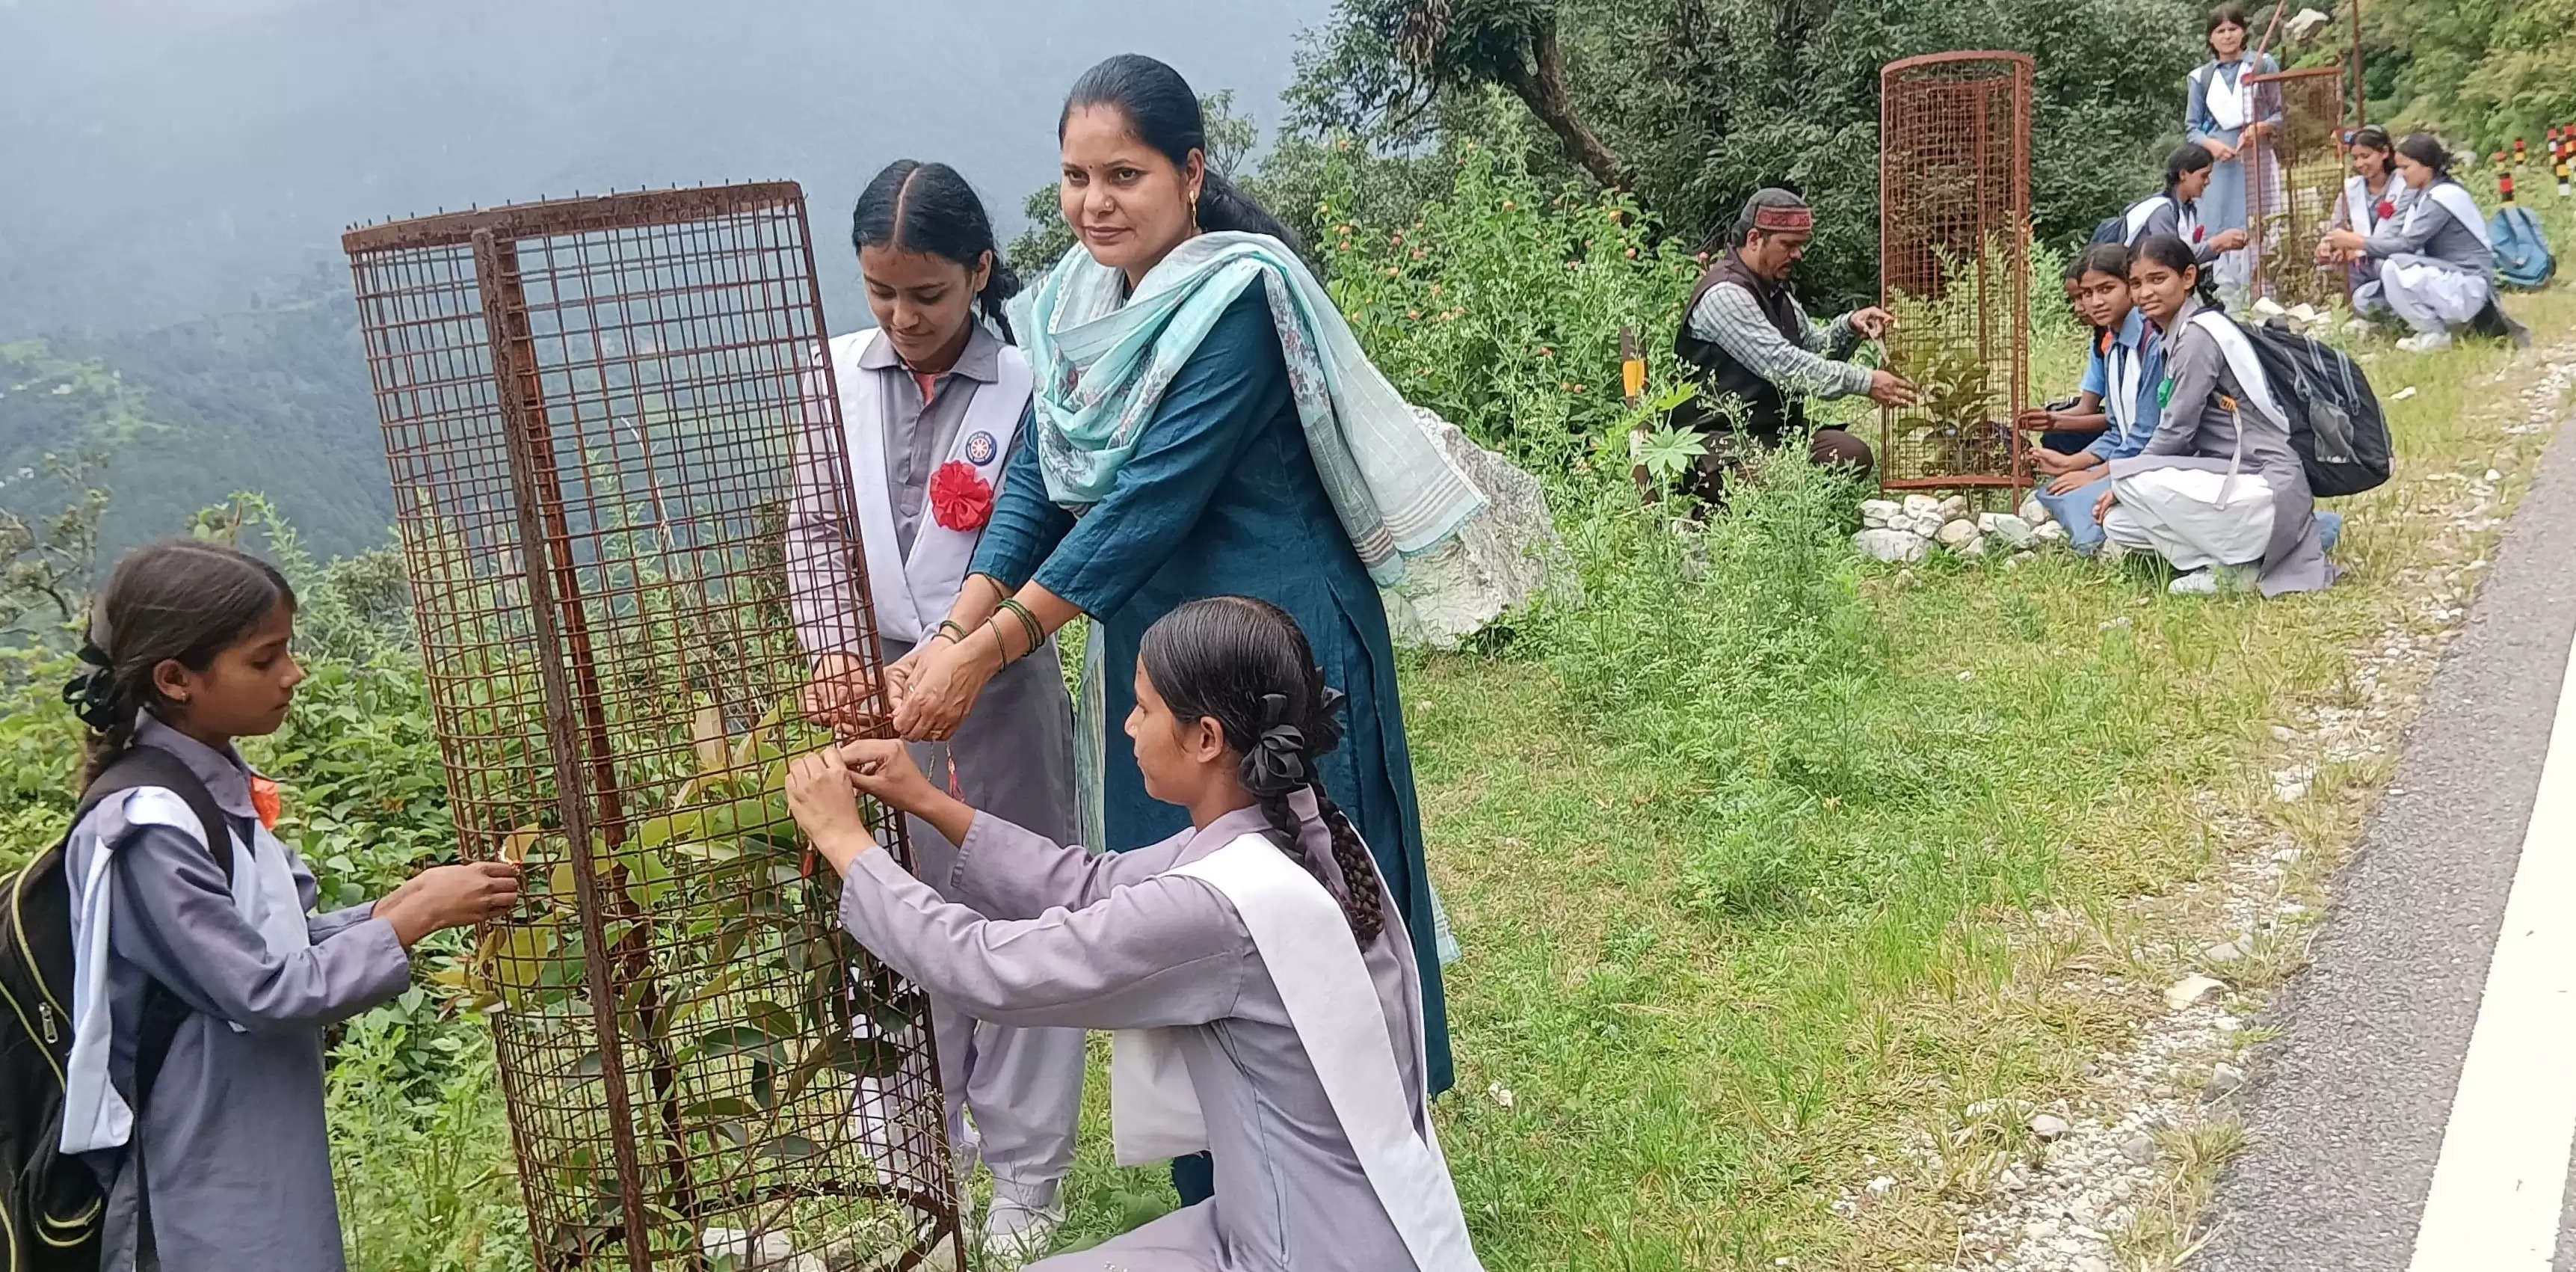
(1887, 388)
(2229, 240)
(1873, 322)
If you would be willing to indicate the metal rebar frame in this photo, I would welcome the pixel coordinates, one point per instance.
(597, 413)
(2293, 178)
(1954, 266)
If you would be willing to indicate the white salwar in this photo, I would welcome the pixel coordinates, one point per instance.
(2191, 517)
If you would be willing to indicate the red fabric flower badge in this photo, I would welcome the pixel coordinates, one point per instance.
(2386, 209)
(960, 498)
(264, 800)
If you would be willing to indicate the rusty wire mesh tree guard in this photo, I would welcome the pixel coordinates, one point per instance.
(2293, 179)
(594, 410)
(1954, 266)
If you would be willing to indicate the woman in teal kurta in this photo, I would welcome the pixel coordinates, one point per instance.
(1215, 491)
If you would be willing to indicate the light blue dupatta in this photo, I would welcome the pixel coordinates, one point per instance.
(1101, 362)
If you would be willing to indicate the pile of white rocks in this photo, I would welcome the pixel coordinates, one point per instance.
(1908, 529)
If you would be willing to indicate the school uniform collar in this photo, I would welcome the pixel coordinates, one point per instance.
(2133, 331)
(226, 777)
(1240, 823)
(980, 361)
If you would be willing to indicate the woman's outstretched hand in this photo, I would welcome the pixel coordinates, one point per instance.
(942, 689)
(842, 696)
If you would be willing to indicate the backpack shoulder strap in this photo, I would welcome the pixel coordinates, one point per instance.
(150, 766)
(143, 766)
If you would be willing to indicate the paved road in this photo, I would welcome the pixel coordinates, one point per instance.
(2349, 1113)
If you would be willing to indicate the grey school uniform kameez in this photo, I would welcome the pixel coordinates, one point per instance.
(2435, 271)
(232, 1141)
(2196, 432)
(1013, 754)
(1057, 936)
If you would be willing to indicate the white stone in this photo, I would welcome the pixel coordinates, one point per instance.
(2048, 1126)
(1954, 533)
(2225, 1080)
(2033, 511)
(2139, 1149)
(1890, 545)
(2493, 475)
(2013, 530)
(2087, 1263)
(1972, 549)
(1879, 512)
(2047, 531)
(2227, 952)
(2402, 394)
(1918, 505)
(1926, 524)
(1505, 558)
(1953, 507)
(2191, 989)
(2269, 307)
(1879, 1187)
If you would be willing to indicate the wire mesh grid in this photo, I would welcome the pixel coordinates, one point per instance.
(2301, 169)
(1954, 266)
(599, 415)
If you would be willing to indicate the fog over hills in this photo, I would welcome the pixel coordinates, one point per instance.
(175, 164)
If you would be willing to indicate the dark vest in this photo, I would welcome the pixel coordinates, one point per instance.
(1766, 409)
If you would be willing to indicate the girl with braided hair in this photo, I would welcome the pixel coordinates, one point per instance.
(1263, 985)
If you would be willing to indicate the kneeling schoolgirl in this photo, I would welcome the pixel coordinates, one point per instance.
(1256, 965)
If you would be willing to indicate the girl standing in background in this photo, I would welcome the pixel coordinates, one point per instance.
(2225, 113)
(932, 401)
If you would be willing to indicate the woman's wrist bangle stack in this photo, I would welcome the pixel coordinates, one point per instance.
(1029, 625)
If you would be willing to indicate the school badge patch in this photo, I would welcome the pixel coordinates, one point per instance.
(979, 448)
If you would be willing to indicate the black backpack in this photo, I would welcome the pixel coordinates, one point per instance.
(2335, 423)
(51, 1206)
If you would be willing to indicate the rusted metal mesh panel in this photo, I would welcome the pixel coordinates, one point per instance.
(597, 414)
(1954, 265)
(2293, 179)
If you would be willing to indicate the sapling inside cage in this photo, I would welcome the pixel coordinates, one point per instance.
(1954, 267)
(2294, 176)
(598, 414)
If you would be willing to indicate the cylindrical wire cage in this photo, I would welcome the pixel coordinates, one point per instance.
(2294, 177)
(1954, 266)
(599, 416)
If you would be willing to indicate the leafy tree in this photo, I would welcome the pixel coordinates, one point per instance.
(2481, 74)
(1383, 58)
(46, 562)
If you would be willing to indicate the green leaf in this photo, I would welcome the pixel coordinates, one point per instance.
(790, 1148)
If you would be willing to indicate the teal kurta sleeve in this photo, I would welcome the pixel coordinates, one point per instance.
(1213, 410)
(1026, 525)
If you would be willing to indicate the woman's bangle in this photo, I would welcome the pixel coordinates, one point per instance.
(1029, 624)
(952, 629)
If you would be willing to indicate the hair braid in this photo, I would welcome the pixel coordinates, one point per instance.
(1360, 885)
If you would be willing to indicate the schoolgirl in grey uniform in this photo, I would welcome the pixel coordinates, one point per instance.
(227, 1166)
(2217, 490)
(2176, 210)
(2374, 195)
(2436, 265)
(932, 401)
(1255, 964)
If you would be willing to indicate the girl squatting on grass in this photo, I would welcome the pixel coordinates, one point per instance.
(221, 1163)
(1266, 990)
(2217, 491)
